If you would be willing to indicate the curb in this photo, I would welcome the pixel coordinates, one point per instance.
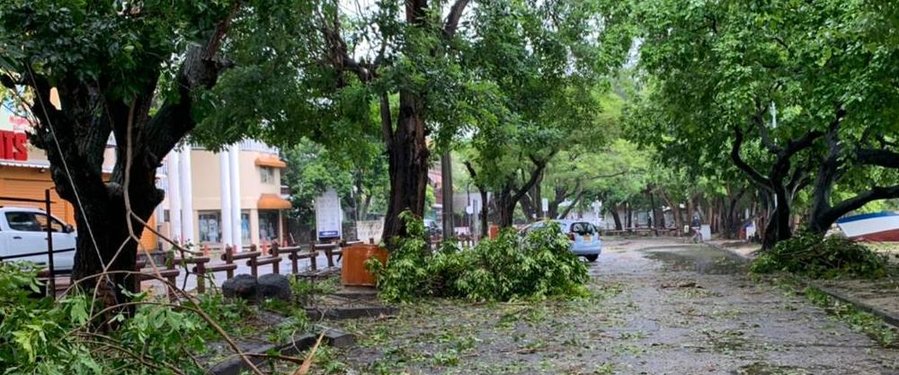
(236, 366)
(729, 251)
(350, 312)
(887, 317)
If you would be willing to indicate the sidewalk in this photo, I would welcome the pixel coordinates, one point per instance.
(879, 297)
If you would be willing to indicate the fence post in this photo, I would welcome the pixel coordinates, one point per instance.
(329, 251)
(313, 262)
(201, 277)
(253, 267)
(276, 266)
(229, 258)
(295, 262)
(51, 282)
(170, 265)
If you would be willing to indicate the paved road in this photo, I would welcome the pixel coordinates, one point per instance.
(664, 307)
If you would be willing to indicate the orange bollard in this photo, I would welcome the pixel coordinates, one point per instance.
(206, 250)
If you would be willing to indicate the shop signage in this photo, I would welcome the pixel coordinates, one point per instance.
(13, 146)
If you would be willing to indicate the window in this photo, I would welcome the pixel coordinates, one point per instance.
(583, 228)
(267, 175)
(268, 225)
(23, 221)
(210, 226)
(55, 226)
(245, 228)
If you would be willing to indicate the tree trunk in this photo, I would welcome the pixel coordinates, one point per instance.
(104, 214)
(446, 184)
(691, 210)
(527, 207)
(366, 203)
(505, 204)
(574, 202)
(616, 217)
(652, 210)
(407, 152)
(538, 198)
(629, 216)
(560, 194)
(484, 212)
(778, 228)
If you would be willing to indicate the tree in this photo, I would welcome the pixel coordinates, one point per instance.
(399, 55)
(312, 169)
(582, 170)
(547, 74)
(144, 73)
(794, 93)
(108, 64)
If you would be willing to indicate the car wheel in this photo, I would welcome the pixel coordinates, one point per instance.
(592, 257)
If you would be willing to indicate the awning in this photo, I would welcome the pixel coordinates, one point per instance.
(270, 161)
(273, 202)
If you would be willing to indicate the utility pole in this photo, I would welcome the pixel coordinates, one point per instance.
(446, 182)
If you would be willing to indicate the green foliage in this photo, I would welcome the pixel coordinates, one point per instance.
(537, 266)
(810, 255)
(725, 79)
(43, 336)
(360, 179)
(40, 335)
(297, 323)
(226, 313)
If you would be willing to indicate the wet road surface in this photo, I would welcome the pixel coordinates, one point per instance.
(662, 307)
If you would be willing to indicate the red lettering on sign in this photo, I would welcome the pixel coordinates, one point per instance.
(20, 144)
(6, 140)
(13, 145)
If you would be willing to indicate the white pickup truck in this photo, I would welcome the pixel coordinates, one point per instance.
(23, 237)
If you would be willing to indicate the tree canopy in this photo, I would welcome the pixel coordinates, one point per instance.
(795, 95)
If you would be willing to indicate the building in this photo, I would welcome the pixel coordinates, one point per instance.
(224, 198)
(25, 172)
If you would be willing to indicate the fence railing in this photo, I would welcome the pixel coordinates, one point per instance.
(252, 256)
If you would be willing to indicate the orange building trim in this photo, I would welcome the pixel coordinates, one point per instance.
(273, 202)
(270, 161)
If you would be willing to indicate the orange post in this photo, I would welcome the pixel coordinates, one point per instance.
(352, 271)
(493, 233)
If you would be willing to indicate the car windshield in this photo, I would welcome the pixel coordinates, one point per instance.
(583, 229)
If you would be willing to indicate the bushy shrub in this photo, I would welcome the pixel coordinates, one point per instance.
(810, 255)
(40, 335)
(537, 266)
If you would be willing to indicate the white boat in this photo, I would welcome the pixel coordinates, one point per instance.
(879, 226)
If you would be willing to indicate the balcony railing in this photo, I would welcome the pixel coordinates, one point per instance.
(251, 145)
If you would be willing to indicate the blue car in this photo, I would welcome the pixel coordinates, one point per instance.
(583, 237)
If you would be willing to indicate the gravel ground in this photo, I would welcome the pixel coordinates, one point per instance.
(660, 307)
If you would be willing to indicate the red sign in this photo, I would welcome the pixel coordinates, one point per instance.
(13, 145)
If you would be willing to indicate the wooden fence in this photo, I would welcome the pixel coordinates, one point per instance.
(254, 257)
(202, 267)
